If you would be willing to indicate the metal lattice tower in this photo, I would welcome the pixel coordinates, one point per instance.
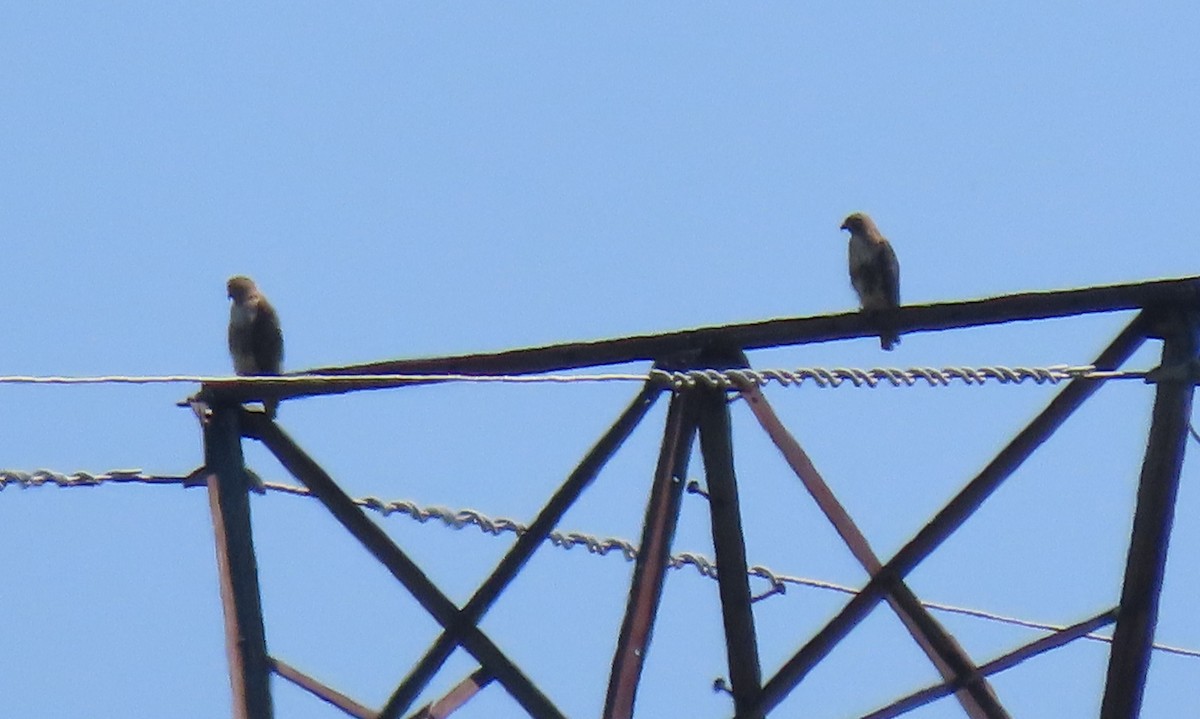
(1167, 310)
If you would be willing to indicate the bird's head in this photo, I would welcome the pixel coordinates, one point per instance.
(857, 223)
(240, 288)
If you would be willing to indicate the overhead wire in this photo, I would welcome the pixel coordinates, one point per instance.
(723, 379)
(462, 518)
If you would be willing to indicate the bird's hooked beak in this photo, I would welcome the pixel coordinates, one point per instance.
(844, 226)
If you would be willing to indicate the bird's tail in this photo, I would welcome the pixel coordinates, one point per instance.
(888, 340)
(271, 407)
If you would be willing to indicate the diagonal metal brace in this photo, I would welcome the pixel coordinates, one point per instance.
(949, 519)
(245, 635)
(729, 544)
(1137, 616)
(376, 541)
(1007, 661)
(645, 592)
(523, 549)
(951, 660)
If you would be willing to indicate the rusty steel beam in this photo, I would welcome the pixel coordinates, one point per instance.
(229, 500)
(729, 544)
(1137, 616)
(978, 699)
(752, 335)
(321, 691)
(459, 695)
(376, 541)
(645, 592)
(947, 520)
(529, 541)
(1007, 661)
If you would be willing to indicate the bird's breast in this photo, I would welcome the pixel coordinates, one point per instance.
(241, 315)
(860, 253)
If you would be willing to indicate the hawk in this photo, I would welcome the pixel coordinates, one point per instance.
(255, 339)
(874, 272)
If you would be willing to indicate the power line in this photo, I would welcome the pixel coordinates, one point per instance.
(462, 518)
(234, 381)
(722, 379)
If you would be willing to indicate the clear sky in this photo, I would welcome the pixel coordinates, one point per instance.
(410, 180)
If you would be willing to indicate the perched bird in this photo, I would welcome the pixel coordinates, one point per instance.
(255, 339)
(874, 272)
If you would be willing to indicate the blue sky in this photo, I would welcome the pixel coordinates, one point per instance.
(414, 180)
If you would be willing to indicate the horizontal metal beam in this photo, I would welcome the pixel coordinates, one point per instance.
(746, 336)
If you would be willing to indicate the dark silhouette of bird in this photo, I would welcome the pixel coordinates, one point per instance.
(255, 338)
(874, 273)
